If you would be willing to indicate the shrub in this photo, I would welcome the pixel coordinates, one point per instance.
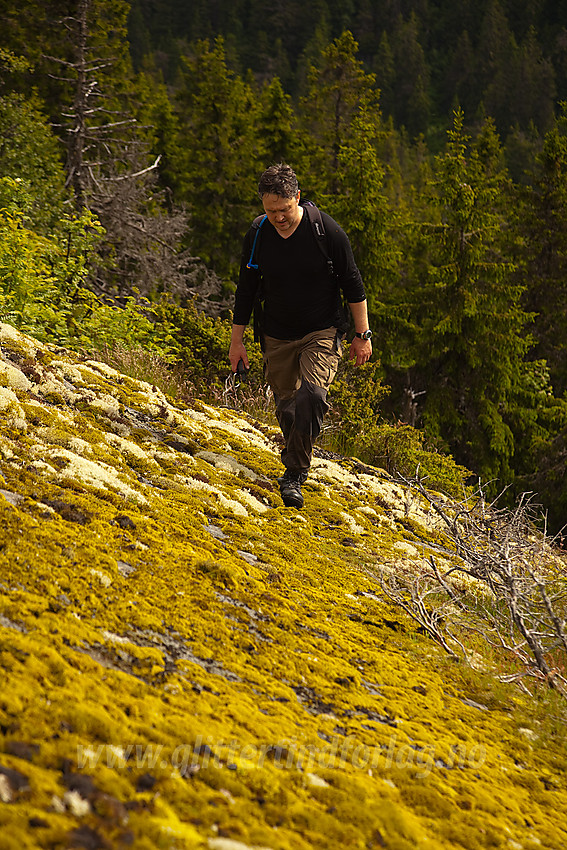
(201, 345)
(356, 396)
(43, 289)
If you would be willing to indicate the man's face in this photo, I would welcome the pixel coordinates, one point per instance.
(283, 213)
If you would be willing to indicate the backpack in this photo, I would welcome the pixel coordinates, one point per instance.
(316, 222)
(318, 230)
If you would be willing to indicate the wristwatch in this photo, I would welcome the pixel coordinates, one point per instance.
(364, 335)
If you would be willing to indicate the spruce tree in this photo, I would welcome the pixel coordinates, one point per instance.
(219, 160)
(338, 88)
(361, 206)
(411, 107)
(470, 327)
(277, 126)
(543, 225)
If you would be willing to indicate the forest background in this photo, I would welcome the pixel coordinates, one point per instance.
(132, 138)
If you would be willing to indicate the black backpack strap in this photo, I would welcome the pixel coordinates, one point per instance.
(318, 228)
(256, 224)
(258, 309)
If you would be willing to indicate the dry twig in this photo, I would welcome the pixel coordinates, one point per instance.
(504, 581)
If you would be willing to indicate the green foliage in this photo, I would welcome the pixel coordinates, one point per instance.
(543, 224)
(155, 113)
(539, 423)
(410, 104)
(29, 152)
(277, 129)
(356, 397)
(218, 166)
(470, 340)
(202, 345)
(362, 208)
(10, 63)
(338, 90)
(43, 283)
(402, 450)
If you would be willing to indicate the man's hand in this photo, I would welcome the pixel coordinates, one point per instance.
(237, 350)
(360, 350)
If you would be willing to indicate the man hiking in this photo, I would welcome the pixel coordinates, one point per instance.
(293, 271)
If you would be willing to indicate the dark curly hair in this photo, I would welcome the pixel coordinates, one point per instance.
(279, 180)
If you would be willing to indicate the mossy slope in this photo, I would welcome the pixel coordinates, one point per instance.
(186, 663)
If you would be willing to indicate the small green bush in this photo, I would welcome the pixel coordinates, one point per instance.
(202, 345)
(358, 429)
(43, 284)
(401, 449)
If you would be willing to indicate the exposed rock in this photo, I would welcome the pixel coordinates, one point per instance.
(188, 663)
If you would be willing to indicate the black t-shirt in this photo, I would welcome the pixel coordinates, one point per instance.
(299, 294)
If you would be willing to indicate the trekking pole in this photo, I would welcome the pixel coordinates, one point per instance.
(232, 383)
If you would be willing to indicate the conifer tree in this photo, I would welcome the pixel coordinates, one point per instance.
(411, 106)
(338, 88)
(459, 82)
(361, 206)
(278, 133)
(471, 329)
(384, 66)
(543, 225)
(219, 160)
(534, 89)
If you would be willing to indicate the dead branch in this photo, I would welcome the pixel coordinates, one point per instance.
(505, 581)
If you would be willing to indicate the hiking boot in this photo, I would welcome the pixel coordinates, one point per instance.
(290, 487)
(299, 473)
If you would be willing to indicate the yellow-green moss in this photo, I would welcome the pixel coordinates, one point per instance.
(222, 668)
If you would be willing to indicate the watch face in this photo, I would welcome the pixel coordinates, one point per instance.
(365, 335)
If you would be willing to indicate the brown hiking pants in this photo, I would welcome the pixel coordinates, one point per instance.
(300, 372)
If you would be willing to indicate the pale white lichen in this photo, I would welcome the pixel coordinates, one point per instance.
(50, 387)
(354, 527)
(77, 805)
(99, 475)
(114, 638)
(328, 469)
(227, 463)
(390, 493)
(251, 501)
(232, 505)
(231, 423)
(127, 447)
(14, 377)
(366, 509)
(231, 844)
(107, 403)
(29, 346)
(98, 367)
(211, 413)
(227, 503)
(9, 399)
(105, 580)
(79, 446)
(406, 548)
(67, 370)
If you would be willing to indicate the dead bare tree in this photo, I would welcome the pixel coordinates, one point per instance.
(498, 575)
(112, 172)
